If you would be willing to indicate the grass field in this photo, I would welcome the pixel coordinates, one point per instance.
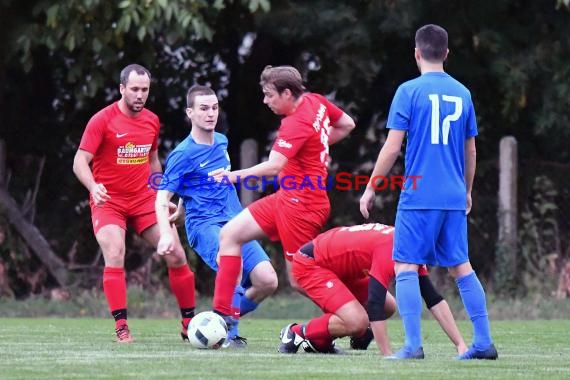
(59, 348)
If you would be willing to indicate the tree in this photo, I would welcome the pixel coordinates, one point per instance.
(63, 59)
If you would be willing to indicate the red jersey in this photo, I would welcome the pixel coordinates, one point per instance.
(121, 147)
(303, 139)
(356, 251)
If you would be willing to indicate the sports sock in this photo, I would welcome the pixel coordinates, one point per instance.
(317, 331)
(299, 329)
(409, 303)
(226, 280)
(473, 297)
(247, 305)
(236, 312)
(182, 285)
(115, 289)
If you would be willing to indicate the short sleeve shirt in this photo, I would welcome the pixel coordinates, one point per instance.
(437, 113)
(303, 138)
(121, 147)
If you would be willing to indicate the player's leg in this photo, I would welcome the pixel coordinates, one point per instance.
(359, 287)
(181, 278)
(238, 231)
(111, 239)
(259, 277)
(205, 241)
(348, 320)
(414, 239)
(259, 280)
(440, 310)
(344, 314)
(295, 228)
(453, 243)
(109, 226)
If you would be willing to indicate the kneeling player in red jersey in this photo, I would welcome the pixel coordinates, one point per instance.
(346, 271)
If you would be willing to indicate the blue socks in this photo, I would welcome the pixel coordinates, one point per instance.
(236, 302)
(473, 297)
(244, 305)
(409, 301)
(247, 305)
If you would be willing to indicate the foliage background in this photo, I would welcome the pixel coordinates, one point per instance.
(60, 62)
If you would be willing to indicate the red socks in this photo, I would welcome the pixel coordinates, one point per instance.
(229, 269)
(182, 285)
(317, 331)
(115, 288)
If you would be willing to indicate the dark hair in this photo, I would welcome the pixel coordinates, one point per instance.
(140, 70)
(197, 90)
(431, 40)
(283, 77)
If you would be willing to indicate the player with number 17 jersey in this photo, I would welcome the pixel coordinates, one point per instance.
(435, 155)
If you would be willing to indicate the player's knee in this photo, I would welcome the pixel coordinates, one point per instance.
(177, 258)
(267, 285)
(270, 282)
(227, 236)
(114, 257)
(357, 324)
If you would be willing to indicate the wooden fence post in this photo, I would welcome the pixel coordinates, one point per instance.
(506, 259)
(248, 158)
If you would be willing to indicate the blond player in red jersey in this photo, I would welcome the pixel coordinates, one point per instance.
(346, 271)
(300, 152)
(120, 144)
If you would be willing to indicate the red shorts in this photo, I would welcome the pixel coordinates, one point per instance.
(284, 221)
(324, 287)
(136, 212)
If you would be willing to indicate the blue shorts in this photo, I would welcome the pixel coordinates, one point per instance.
(206, 242)
(432, 237)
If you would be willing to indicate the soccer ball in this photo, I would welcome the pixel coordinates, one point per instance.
(207, 330)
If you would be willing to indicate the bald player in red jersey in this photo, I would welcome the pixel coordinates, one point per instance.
(346, 271)
(300, 153)
(120, 142)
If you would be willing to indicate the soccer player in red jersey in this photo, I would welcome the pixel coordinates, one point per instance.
(346, 271)
(300, 153)
(120, 142)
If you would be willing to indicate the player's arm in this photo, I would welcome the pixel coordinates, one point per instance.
(268, 168)
(177, 213)
(83, 172)
(162, 210)
(441, 312)
(381, 306)
(470, 164)
(341, 128)
(386, 158)
(155, 166)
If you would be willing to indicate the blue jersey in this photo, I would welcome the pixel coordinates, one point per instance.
(437, 113)
(187, 170)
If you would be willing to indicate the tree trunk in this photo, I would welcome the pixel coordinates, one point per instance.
(34, 238)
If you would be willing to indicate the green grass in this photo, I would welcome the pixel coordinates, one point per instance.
(60, 348)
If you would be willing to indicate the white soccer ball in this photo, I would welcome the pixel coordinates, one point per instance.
(207, 330)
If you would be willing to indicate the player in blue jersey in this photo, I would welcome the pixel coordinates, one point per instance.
(436, 114)
(209, 205)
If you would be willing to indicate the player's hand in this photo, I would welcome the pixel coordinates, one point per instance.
(174, 212)
(469, 204)
(165, 244)
(99, 194)
(366, 202)
(223, 175)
